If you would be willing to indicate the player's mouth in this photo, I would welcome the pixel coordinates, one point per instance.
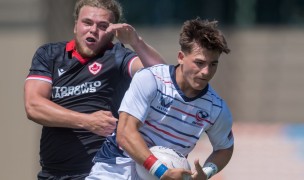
(90, 40)
(202, 79)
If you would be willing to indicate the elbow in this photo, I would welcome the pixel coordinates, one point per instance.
(229, 151)
(30, 110)
(231, 148)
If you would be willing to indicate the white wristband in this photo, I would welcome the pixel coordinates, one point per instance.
(210, 169)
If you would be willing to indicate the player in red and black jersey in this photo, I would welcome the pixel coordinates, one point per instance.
(74, 88)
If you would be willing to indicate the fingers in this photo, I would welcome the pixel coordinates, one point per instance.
(104, 129)
(199, 174)
(107, 113)
(177, 173)
(187, 173)
(103, 123)
(111, 119)
(115, 28)
(125, 33)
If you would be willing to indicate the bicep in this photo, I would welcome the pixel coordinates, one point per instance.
(35, 89)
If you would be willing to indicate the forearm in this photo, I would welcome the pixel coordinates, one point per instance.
(47, 113)
(135, 146)
(148, 55)
(129, 138)
(126, 34)
(220, 157)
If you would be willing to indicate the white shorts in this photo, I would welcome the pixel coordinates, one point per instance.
(122, 171)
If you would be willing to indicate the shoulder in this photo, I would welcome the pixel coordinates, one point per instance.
(155, 69)
(120, 52)
(149, 77)
(220, 107)
(54, 45)
(52, 49)
(119, 47)
(159, 69)
(214, 96)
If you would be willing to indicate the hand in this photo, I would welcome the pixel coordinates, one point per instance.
(176, 174)
(199, 173)
(102, 123)
(125, 33)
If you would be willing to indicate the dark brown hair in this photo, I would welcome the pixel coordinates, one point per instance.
(204, 33)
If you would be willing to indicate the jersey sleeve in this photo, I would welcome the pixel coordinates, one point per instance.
(220, 134)
(41, 67)
(142, 90)
(127, 57)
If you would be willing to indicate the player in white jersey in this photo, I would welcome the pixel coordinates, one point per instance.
(172, 106)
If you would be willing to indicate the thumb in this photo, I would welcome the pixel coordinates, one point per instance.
(197, 165)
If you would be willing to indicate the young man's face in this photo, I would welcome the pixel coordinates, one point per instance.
(197, 68)
(90, 29)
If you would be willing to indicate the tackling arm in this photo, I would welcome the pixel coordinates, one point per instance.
(127, 34)
(40, 109)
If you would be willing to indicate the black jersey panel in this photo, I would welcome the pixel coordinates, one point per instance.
(99, 84)
(69, 150)
(42, 62)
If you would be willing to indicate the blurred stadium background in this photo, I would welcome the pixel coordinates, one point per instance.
(262, 79)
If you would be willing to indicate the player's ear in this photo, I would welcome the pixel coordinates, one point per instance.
(180, 57)
(75, 29)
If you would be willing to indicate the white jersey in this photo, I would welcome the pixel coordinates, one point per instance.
(170, 118)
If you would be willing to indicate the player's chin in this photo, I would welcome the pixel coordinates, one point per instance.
(199, 86)
(89, 52)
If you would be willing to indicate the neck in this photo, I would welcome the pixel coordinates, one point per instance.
(184, 86)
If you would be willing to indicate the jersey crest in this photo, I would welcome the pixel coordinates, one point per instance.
(201, 115)
(95, 68)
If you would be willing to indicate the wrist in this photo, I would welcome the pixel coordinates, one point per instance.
(80, 123)
(155, 166)
(138, 44)
(210, 169)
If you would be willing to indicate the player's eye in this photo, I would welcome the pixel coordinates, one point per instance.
(103, 26)
(87, 23)
(214, 64)
(199, 63)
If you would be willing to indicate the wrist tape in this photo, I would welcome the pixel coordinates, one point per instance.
(155, 166)
(210, 169)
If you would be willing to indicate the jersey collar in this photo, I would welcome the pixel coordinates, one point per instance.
(71, 47)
